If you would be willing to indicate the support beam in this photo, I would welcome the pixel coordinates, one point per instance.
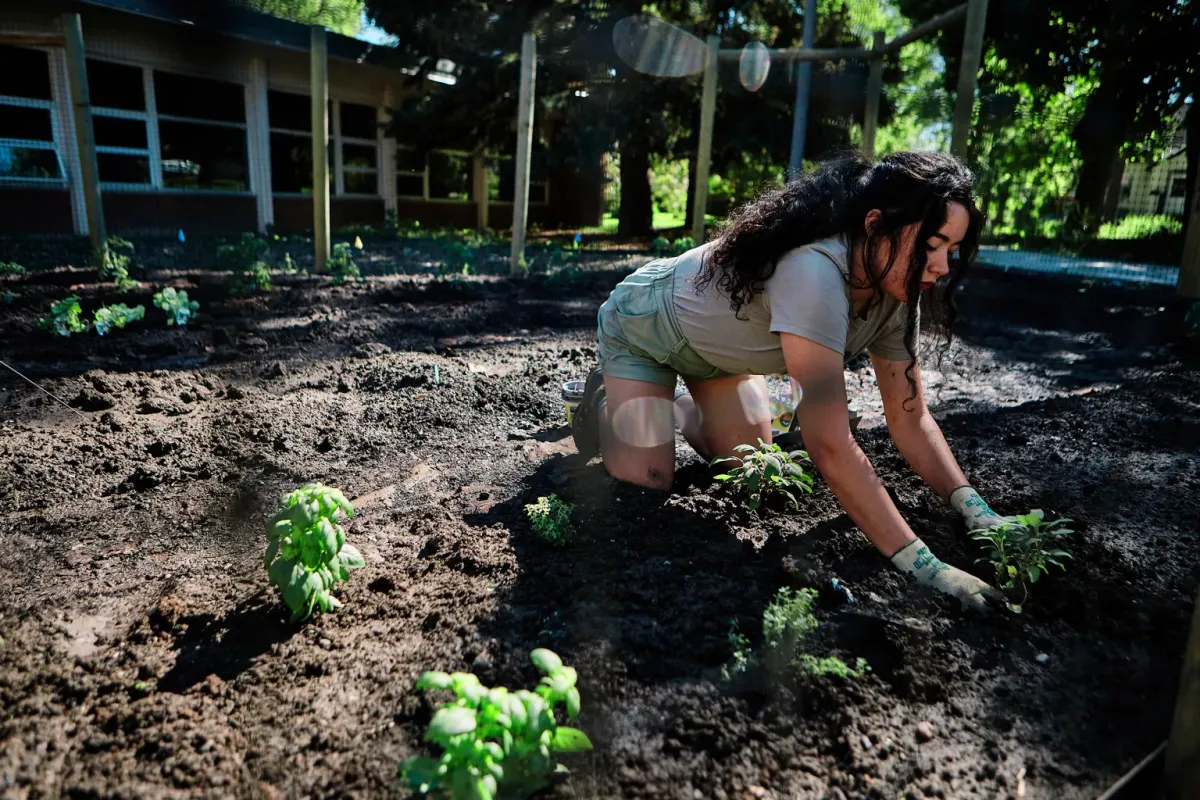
(524, 150)
(929, 26)
(874, 91)
(319, 81)
(803, 88)
(85, 138)
(708, 112)
(387, 153)
(968, 69)
(1183, 748)
(258, 135)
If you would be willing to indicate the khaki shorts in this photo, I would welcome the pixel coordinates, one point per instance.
(638, 333)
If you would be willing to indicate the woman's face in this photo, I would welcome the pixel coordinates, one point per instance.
(939, 249)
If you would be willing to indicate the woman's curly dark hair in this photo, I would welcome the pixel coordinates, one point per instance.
(834, 200)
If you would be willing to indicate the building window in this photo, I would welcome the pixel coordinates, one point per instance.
(120, 122)
(27, 128)
(201, 133)
(291, 142)
(502, 174)
(357, 136)
(1178, 186)
(411, 171)
(449, 175)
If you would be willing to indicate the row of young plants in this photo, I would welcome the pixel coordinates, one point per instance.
(66, 316)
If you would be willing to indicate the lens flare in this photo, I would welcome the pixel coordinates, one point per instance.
(644, 421)
(754, 65)
(654, 47)
(756, 404)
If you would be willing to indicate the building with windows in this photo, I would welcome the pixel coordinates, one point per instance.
(1161, 187)
(202, 121)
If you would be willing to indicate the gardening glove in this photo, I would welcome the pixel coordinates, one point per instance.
(975, 511)
(917, 560)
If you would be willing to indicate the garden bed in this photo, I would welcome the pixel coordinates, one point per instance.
(143, 655)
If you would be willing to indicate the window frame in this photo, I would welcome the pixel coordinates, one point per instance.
(54, 145)
(339, 161)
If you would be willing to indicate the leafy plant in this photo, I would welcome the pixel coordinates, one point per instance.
(1021, 551)
(458, 257)
(551, 519)
(175, 303)
(11, 268)
(766, 469)
(117, 315)
(66, 317)
(788, 620)
(247, 259)
(1140, 226)
(308, 555)
(341, 264)
(496, 742)
(662, 246)
(118, 253)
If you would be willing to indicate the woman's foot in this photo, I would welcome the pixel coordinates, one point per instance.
(585, 424)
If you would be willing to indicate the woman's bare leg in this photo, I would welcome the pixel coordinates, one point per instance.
(722, 413)
(637, 432)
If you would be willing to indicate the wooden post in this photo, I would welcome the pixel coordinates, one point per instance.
(803, 89)
(708, 112)
(479, 177)
(258, 135)
(85, 138)
(968, 68)
(1183, 748)
(387, 152)
(1189, 269)
(524, 149)
(319, 80)
(874, 90)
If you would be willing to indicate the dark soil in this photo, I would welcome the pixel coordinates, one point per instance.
(143, 654)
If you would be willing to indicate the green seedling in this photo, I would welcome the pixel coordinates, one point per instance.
(497, 743)
(308, 555)
(117, 315)
(11, 268)
(766, 469)
(66, 317)
(247, 259)
(174, 302)
(459, 257)
(1022, 551)
(787, 623)
(341, 264)
(118, 253)
(551, 519)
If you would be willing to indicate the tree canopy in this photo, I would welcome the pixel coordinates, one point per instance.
(342, 16)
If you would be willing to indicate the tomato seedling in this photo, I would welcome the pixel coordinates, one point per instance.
(308, 555)
(175, 303)
(1021, 551)
(766, 469)
(551, 519)
(341, 264)
(117, 315)
(66, 317)
(497, 743)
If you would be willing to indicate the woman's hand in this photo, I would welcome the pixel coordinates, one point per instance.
(975, 511)
(917, 560)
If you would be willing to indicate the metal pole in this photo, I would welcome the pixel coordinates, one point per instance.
(85, 139)
(524, 148)
(319, 79)
(803, 86)
(708, 112)
(968, 68)
(1183, 748)
(874, 90)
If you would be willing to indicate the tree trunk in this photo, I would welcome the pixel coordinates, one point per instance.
(1191, 126)
(637, 206)
(1099, 136)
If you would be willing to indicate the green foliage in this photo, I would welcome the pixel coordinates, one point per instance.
(117, 315)
(308, 555)
(551, 519)
(669, 184)
(341, 264)
(766, 469)
(341, 16)
(788, 621)
(1141, 226)
(458, 256)
(662, 246)
(495, 742)
(174, 302)
(1021, 551)
(741, 179)
(563, 277)
(247, 259)
(66, 317)
(118, 253)
(11, 268)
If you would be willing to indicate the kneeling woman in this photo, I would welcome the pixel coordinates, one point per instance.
(800, 281)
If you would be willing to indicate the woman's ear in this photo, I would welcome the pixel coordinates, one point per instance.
(872, 217)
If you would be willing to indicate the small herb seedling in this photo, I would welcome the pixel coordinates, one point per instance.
(787, 622)
(308, 555)
(118, 253)
(247, 258)
(117, 315)
(496, 742)
(175, 303)
(766, 469)
(341, 264)
(551, 519)
(1021, 551)
(66, 317)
